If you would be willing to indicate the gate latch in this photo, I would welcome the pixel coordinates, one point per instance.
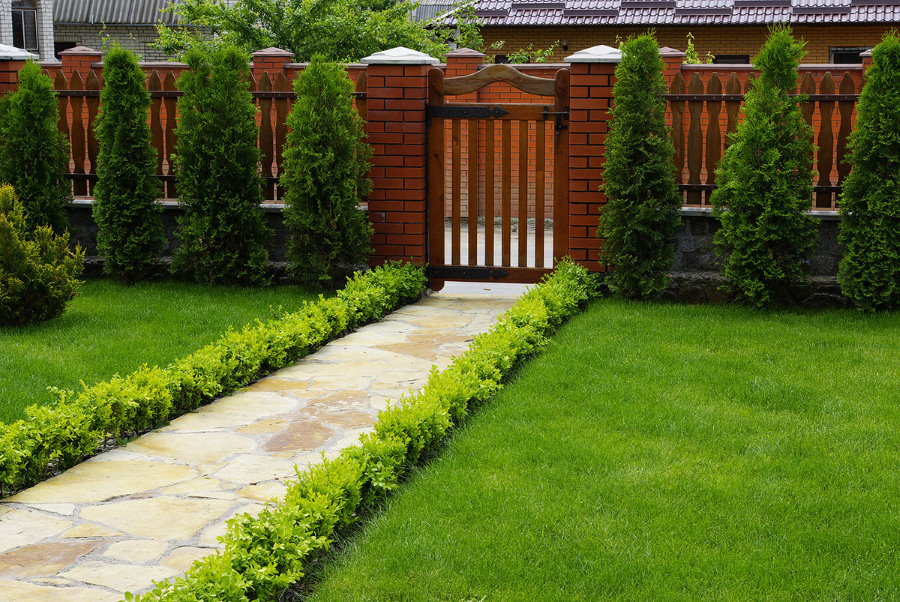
(560, 117)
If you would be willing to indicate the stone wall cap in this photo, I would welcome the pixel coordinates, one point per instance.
(272, 51)
(400, 56)
(11, 53)
(596, 54)
(81, 50)
(867, 53)
(667, 51)
(466, 52)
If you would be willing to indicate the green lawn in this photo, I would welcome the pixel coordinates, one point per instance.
(660, 452)
(110, 327)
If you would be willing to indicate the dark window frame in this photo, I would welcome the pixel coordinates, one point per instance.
(847, 53)
(731, 59)
(25, 25)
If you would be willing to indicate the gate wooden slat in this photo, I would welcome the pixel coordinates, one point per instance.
(695, 140)
(156, 131)
(540, 181)
(93, 147)
(845, 109)
(489, 193)
(436, 171)
(561, 168)
(506, 211)
(713, 135)
(79, 137)
(456, 191)
(472, 174)
(523, 194)
(678, 128)
(266, 135)
(170, 104)
(826, 143)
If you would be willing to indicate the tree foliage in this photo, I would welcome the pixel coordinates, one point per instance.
(339, 30)
(764, 181)
(869, 272)
(640, 219)
(38, 272)
(33, 152)
(128, 217)
(325, 166)
(222, 232)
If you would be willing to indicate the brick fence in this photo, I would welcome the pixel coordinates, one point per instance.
(392, 91)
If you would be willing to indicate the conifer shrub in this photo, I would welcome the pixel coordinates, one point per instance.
(129, 221)
(641, 215)
(764, 181)
(34, 154)
(325, 164)
(869, 271)
(222, 231)
(38, 272)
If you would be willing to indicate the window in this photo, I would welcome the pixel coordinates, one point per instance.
(731, 59)
(846, 56)
(24, 22)
(60, 46)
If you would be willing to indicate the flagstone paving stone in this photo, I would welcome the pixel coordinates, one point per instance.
(147, 511)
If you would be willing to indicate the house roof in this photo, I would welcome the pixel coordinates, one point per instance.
(683, 12)
(112, 12)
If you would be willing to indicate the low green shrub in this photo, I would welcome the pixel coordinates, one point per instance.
(60, 435)
(264, 555)
(38, 272)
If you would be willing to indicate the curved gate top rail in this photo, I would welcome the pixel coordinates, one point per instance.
(500, 178)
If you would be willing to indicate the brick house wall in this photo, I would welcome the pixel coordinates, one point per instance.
(134, 37)
(716, 39)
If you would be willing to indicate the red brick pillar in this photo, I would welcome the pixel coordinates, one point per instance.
(270, 61)
(590, 87)
(11, 62)
(396, 98)
(673, 59)
(80, 59)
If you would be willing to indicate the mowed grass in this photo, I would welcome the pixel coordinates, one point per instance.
(112, 328)
(660, 452)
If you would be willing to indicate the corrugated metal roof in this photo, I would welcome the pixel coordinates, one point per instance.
(112, 12)
(685, 12)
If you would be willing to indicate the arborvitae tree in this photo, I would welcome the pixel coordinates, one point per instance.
(222, 232)
(325, 165)
(640, 219)
(870, 204)
(38, 272)
(128, 217)
(764, 182)
(34, 154)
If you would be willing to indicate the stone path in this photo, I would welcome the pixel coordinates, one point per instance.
(146, 511)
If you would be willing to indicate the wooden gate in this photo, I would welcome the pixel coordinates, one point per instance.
(490, 177)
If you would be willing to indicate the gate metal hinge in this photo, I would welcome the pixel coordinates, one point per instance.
(561, 118)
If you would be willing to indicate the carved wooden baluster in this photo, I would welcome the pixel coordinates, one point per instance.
(713, 134)
(156, 130)
(171, 106)
(282, 109)
(695, 140)
(60, 83)
(678, 128)
(732, 107)
(808, 86)
(266, 137)
(79, 137)
(93, 103)
(845, 108)
(826, 143)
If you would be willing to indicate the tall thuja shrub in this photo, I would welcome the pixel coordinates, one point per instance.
(33, 152)
(128, 217)
(222, 232)
(764, 181)
(640, 219)
(325, 166)
(869, 271)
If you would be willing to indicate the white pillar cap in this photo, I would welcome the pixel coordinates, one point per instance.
(400, 56)
(11, 53)
(597, 54)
